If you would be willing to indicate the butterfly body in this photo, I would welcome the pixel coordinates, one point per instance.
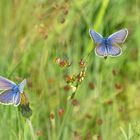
(108, 46)
(11, 93)
(106, 43)
(16, 89)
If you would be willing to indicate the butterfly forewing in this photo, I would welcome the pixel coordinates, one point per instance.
(6, 84)
(118, 37)
(96, 36)
(21, 85)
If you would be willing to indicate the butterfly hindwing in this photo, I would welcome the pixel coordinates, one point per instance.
(17, 99)
(8, 97)
(101, 50)
(118, 37)
(114, 50)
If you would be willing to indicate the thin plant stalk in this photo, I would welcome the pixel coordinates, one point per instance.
(67, 115)
(31, 128)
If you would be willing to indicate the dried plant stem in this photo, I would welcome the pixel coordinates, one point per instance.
(31, 129)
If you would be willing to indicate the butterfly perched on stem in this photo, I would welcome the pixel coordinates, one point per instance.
(11, 93)
(108, 46)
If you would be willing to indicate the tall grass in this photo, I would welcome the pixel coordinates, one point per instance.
(33, 33)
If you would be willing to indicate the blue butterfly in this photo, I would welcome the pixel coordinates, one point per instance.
(109, 46)
(12, 91)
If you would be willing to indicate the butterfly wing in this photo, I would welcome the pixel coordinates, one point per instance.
(118, 37)
(6, 84)
(101, 50)
(17, 99)
(9, 97)
(22, 85)
(114, 50)
(96, 36)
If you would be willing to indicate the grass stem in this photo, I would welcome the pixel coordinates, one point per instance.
(31, 128)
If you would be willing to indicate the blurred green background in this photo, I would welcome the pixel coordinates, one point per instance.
(33, 33)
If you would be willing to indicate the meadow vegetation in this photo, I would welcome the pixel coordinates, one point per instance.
(48, 42)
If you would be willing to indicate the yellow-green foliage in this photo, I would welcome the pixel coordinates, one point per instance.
(33, 33)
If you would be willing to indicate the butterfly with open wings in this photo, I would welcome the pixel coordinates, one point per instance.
(109, 46)
(11, 94)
